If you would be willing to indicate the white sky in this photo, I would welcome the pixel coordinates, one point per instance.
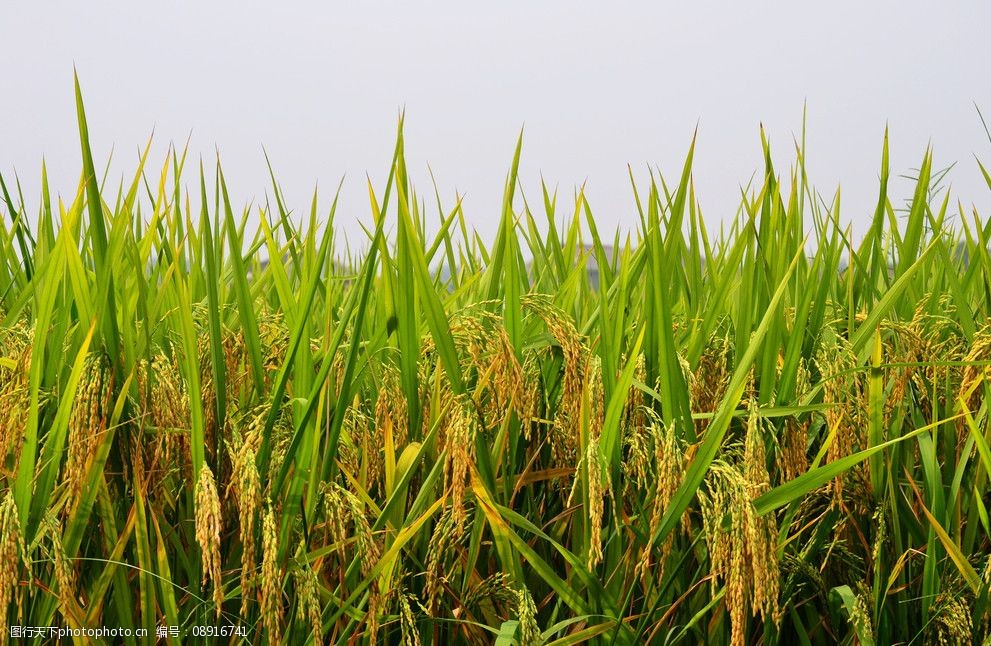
(597, 85)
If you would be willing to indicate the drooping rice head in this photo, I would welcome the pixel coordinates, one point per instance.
(271, 579)
(634, 411)
(637, 436)
(237, 383)
(534, 399)
(490, 594)
(975, 373)
(360, 450)
(64, 570)
(409, 634)
(793, 448)
(526, 613)
(759, 433)
(274, 337)
(15, 346)
(793, 458)
(488, 363)
(742, 548)
(974, 385)
(564, 437)
(940, 340)
(599, 484)
(252, 424)
(12, 554)
(845, 394)
(669, 461)
(861, 613)
(208, 530)
(391, 406)
(245, 485)
(952, 619)
(458, 444)
(309, 609)
(88, 420)
(445, 541)
(162, 410)
(900, 345)
(708, 381)
(347, 527)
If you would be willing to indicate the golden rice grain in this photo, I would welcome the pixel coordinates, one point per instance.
(670, 461)
(88, 419)
(409, 635)
(707, 383)
(742, 548)
(794, 459)
(844, 391)
(526, 612)
(65, 574)
(208, 527)
(459, 444)
(951, 621)
(755, 452)
(247, 484)
(15, 345)
(308, 608)
(271, 579)
(391, 407)
(596, 502)
(347, 522)
(564, 444)
(860, 614)
(493, 589)
(12, 552)
(448, 533)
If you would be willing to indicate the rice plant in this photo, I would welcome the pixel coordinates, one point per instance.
(770, 432)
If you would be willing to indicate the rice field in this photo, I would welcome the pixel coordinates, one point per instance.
(766, 432)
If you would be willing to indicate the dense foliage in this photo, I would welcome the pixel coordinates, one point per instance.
(770, 434)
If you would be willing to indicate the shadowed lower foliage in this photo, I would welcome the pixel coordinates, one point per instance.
(770, 434)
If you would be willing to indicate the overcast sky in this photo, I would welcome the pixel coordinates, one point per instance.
(597, 86)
